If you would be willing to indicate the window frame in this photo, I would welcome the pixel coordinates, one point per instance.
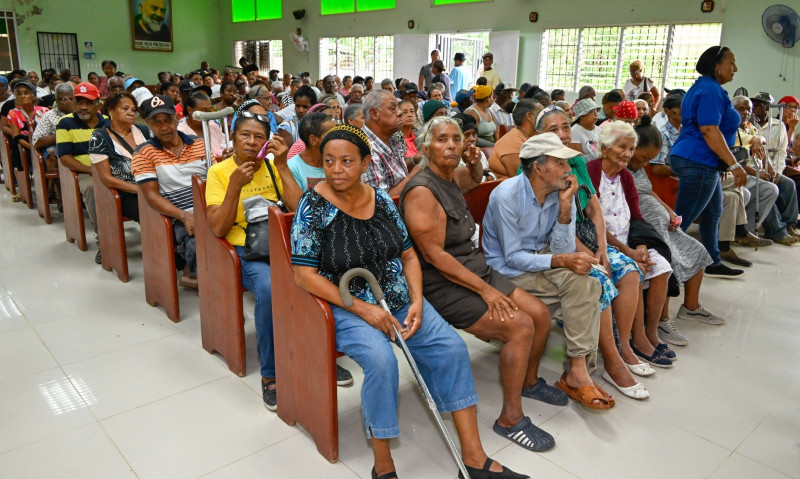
(357, 40)
(620, 75)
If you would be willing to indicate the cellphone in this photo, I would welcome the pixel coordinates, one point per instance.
(600, 268)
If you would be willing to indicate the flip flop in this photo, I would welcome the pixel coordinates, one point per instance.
(586, 395)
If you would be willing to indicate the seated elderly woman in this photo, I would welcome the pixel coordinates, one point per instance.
(354, 116)
(343, 224)
(230, 182)
(642, 107)
(627, 231)
(689, 257)
(621, 278)
(464, 289)
(333, 103)
(504, 160)
(111, 150)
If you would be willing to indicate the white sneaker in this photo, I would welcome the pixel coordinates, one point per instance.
(701, 315)
(668, 332)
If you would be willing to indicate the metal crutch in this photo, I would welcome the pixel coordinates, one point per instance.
(347, 298)
(204, 117)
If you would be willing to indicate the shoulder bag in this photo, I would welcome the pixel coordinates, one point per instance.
(585, 230)
(256, 211)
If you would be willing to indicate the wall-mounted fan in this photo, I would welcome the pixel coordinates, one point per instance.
(299, 42)
(782, 25)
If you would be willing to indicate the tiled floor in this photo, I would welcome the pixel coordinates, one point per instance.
(96, 383)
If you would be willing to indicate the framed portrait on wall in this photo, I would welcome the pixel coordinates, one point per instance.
(151, 25)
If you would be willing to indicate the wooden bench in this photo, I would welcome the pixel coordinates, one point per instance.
(73, 206)
(8, 169)
(24, 178)
(158, 259)
(503, 129)
(40, 176)
(305, 337)
(666, 187)
(219, 281)
(110, 228)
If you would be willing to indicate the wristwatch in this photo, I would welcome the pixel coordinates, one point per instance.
(734, 166)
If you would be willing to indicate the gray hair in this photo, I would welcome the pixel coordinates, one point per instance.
(615, 131)
(65, 88)
(739, 99)
(374, 101)
(527, 163)
(329, 98)
(386, 81)
(357, 86)
(437, 85)
(277, 86)
(521, 110)
(425, 137)
(351, 112)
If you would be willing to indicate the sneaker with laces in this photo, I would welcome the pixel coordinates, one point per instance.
(343, 376)
(701, 315)
(668, 332)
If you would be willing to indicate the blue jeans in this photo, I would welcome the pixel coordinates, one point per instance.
(783, 212)
(255, 277)
(439, 351)
(699, 196)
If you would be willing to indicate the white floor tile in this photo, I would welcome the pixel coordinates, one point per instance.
(21, 353)
(142, 374)
(197, 431)
(38, 406)
(776, 441)
(92, 334)
(11, 317)
(289, 458)
(740, 467)
(86, 452)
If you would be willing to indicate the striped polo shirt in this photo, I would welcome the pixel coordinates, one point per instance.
(73, 135)
(153, 162)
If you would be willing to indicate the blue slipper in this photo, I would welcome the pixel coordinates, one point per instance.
(656, 359)
(525, 434)
(541, 391)
(666, 351)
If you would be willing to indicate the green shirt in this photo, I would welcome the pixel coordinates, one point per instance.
(578, 165)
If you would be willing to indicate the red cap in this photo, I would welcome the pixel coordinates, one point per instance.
(87, 90)
(626, 110)
(789, 99)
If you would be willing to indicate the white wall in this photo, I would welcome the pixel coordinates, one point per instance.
(758, 57)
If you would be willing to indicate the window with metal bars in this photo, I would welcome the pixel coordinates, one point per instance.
(267, 54)
(9, 59)
(600, 56)
(357, 56)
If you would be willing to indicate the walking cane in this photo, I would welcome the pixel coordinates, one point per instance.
(344, 291)
(204, 117)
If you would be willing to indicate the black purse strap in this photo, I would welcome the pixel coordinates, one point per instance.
(121, 140)
(580, 212)
(275, 184)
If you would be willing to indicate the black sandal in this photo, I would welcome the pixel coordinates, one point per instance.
(388, 475)
(485, 473)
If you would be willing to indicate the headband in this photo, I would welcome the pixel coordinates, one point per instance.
(547, 110)
(348, 133)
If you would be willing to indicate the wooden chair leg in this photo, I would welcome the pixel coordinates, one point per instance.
(40, 186)
(158, 260)
(73, 206)
(8, 170)
(110, 228)
(24, 178)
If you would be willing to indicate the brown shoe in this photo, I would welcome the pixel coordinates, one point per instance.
(787, 240)
(793, 231)
(751, 241)
(731, 257)
(188, 281)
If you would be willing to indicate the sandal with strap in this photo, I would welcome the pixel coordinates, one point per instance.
(609, 397)
(388, 475)
(588, 396)
(486, 473)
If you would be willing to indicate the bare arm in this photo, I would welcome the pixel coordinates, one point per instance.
(70, 162)
(656, 97)
(45, 141)
(395, 190)
(510, 163)
(470, 176)
(662, 170)
(5, 126)
(110, 181)
(714, 139)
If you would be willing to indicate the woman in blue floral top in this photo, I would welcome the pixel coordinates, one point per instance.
(343, 224)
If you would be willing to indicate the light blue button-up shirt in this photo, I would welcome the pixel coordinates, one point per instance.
(516, 227)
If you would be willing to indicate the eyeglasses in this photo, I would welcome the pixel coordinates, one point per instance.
(256, 116)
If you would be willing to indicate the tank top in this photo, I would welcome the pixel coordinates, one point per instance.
(459, 230)
(485, 128)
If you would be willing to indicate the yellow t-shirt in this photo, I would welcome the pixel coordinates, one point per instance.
(219, 176)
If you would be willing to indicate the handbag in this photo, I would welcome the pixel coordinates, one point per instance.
(585, 230)
(256, 212)
(740, 153)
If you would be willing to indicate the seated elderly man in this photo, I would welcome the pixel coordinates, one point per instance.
(780, 224)
(163, 169)
(73, 133)
(529, 236)
(356, 94)
(387, 170)
(44, 136)
(459, 284)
